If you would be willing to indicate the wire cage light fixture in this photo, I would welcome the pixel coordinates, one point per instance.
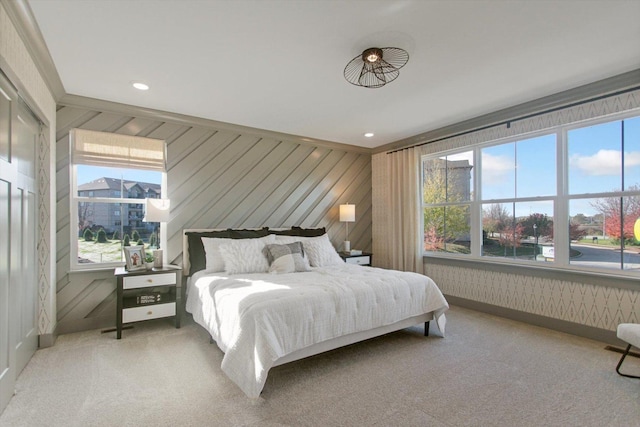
(376, 66)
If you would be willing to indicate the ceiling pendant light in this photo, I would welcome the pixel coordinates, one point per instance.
(376, 66)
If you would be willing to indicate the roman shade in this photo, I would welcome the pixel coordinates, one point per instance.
(115, 150)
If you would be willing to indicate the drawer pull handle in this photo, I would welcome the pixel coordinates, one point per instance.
(149, 313)
(150, 280)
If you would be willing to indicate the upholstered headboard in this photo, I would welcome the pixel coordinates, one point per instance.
(193, 255)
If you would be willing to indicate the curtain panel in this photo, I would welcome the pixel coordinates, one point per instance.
(396, 210)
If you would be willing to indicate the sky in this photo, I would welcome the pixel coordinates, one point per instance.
(527, 168)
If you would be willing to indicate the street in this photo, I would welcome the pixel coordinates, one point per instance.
(605, 257)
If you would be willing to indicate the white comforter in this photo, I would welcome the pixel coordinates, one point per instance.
(257, 318)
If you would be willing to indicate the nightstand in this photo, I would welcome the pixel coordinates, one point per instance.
(148, 294)
(363, 259)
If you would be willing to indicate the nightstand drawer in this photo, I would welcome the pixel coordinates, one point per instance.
(360, 260)
(148, 312)
(144, 281)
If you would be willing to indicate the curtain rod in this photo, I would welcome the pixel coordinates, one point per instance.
(517, 119)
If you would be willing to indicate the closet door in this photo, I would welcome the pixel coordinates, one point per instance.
(18, 261)
(8, 175)
(24, 261)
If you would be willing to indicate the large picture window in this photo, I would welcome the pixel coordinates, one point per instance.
(111, 177)
(568, 198)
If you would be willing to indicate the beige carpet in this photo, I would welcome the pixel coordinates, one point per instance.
(488, 371)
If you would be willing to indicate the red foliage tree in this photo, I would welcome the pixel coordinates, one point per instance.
(433, 241)
(575, 231)
(511, 237)
(620, 214)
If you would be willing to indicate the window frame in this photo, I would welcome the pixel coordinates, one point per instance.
(132, 153)
(75, 200)
(561, 200)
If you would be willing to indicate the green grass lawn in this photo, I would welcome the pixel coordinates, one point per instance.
(100, 252)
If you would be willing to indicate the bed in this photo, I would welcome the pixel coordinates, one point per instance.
(269, 297)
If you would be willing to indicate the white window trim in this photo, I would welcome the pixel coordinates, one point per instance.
(561, 200)
(75, 265)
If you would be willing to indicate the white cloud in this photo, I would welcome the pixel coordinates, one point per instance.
(604, 162)
(496, 168)
(467, 155)
(632, 159)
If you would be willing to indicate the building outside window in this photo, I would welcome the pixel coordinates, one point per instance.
(107, 215)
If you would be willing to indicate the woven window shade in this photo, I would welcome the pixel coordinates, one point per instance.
(115, 150)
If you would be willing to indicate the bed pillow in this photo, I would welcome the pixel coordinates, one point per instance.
(213, 257)
(321, 252)
(197, 258)
(288, 258)
(319, 249)
(245, 255)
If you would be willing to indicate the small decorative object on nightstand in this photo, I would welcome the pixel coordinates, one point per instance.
(148, 294)
(363, 258)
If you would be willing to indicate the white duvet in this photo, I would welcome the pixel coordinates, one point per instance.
(258, 318)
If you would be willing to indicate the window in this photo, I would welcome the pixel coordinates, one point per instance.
(518, 182)
(566, 198)
(604, 193)
(108, 173)
(447, 193)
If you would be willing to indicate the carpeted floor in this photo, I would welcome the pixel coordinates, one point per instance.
(488, 371)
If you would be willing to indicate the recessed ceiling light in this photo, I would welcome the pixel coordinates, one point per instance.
(140, 86)
(368, 134)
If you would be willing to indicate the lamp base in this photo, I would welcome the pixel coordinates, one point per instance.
(347, 246)
(157, 258)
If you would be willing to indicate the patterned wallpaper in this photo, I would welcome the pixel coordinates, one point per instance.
(601, 108)
(586, 304)
(45, 316)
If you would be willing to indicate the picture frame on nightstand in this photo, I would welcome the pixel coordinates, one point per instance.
(134, 258)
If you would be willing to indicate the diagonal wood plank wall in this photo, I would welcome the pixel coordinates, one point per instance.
(219, 176)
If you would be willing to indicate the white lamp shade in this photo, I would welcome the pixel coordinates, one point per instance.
(157, 210)
(347, 213)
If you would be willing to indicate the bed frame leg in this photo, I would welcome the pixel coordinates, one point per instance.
(426, 329)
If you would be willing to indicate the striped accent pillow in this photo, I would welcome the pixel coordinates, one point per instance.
(289, 258)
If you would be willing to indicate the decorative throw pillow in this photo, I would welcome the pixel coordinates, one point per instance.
(319, 249)
(286, 258)
(245, 255)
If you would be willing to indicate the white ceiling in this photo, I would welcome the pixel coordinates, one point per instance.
(277, 64)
